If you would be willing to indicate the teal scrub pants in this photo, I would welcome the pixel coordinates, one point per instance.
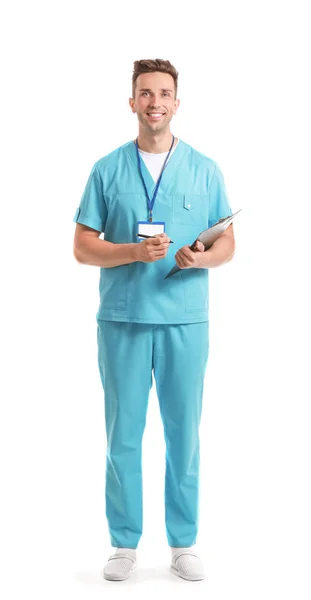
(177, 354)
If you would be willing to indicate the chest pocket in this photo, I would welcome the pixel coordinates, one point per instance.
(190, 209)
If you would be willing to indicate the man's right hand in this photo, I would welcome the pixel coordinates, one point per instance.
(152, 249)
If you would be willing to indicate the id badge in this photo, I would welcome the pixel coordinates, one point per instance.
(147, 228)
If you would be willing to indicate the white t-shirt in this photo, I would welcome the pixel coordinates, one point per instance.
(155, 162)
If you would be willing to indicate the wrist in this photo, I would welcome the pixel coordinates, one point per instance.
(135, 252)
(201, 260)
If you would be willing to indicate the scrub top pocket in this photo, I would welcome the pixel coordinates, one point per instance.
(190, 209)
(114, 288)
(195, 282)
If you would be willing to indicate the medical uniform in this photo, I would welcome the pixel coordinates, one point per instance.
(148, 323)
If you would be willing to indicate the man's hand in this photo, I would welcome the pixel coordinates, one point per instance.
(189, 259)
(153, 248)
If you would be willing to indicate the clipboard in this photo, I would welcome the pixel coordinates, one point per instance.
(208, 237)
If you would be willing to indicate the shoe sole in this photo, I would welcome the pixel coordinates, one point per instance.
(176, 572)
(111, 578)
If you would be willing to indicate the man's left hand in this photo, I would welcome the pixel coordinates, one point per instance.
(189, 259)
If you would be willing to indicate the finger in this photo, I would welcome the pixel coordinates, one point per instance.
(155, 241)
(187, 255)
(160, 248)
(179, 260)
(181, 264)
(157, 252)
(200, 246)
(158, 239)
(163, 236)
(186, 250)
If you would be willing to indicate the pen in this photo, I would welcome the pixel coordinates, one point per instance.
(149, 236)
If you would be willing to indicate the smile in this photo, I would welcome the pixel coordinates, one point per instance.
(155, 116)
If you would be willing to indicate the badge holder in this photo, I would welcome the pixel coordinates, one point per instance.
(147, 228)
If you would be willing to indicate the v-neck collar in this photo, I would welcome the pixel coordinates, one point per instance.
(168, 173)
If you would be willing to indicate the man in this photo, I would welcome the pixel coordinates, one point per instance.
(160, 186)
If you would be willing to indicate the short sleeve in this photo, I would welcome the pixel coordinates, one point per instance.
(92, 210)
(219, 205)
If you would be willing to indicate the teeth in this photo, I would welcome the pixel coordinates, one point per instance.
(155, 114)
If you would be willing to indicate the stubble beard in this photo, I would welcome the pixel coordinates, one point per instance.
(158, 128)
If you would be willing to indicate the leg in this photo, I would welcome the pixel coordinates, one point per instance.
(180, 359)
(125, 365)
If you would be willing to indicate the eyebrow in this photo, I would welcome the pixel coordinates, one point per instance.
(162, 90)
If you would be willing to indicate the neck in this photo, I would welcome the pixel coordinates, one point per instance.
(157, 143)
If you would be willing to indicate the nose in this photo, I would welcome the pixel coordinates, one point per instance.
(156, 101)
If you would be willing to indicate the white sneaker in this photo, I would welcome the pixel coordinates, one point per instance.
(186, 564)
(120, 565)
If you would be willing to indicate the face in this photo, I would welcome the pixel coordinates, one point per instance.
(154, 101)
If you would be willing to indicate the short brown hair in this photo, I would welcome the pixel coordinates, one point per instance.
(150, 66)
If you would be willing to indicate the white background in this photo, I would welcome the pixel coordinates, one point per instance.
(245, 102)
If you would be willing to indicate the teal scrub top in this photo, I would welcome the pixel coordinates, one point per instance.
(191, 197)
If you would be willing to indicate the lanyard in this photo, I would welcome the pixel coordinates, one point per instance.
(151, 202)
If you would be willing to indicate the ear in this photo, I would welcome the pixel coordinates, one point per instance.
(131, 103)
(177, 103)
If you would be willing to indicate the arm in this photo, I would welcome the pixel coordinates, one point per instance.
(90, 250)
(221, 251)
